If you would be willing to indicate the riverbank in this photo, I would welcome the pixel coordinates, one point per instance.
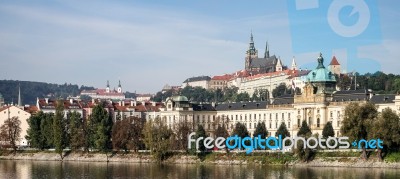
(344, 159)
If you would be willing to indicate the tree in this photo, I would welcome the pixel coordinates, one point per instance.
(76, 133)
(304, 131)
(222, 132)
(200, 132)
(46, 127)
(10, 131)
(280, 90)
(121, 134)
(283, 131)
(59, 132)
(386, 128)
(34, 133)
(261, 130)
(137, 134)
(157, 138)
(240, 130)
(356, 122)
(328, 130)
(256, 95)
(100, 129)
(183, 130)
(244, 96)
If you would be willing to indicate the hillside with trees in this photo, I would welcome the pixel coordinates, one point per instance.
(32, 90)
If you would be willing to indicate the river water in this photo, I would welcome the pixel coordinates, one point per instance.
(53, 169)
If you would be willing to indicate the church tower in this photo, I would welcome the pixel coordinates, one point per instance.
(251, 53)
(334, 66)
(108, 87)
(266, 53)
(294, 65)
(119, 87)
(279, 65)
(19, 96)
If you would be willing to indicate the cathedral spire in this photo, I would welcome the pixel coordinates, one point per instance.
(252, 50)
(266, 54)
(119, 83)
(19, 95)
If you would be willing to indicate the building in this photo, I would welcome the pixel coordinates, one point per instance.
(318, 104)
(9, 112)
(1, 100)
(106, 93)
(144, 97)
(49, 106)
(199, 81)
(220, 82)
(334, 66)
(267, 64)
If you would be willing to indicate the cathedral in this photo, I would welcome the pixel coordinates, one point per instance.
(256, 65)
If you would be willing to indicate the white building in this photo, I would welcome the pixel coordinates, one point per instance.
(9, 112)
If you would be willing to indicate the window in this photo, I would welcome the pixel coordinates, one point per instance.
(250, 116)
(309, 121)
(255, 125)
(298, 122)
(338, 123)
(298, 112)
(318, 122)
(276, 116)
(270, 115)
(276, 124)
(283, 116)
(270, 124)
(255, 116)
(289, 124)
(265, 116)
(331, 114)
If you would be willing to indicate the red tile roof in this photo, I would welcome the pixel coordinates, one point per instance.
(222, 77)
(334, 61)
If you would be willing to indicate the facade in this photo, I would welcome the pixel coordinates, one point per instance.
(318, 104)
(143, 97)
(334, 66)
(220, 82)
(200, 81)
(106, 93)
(9, 112)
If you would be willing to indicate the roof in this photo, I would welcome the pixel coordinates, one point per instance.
(264, 62)
(242, 106)
(334, 61)
(351, 95)
(222, 77)
(179, 98)
(321, 74)
(203, 107)
(384, 98)
(198, 78)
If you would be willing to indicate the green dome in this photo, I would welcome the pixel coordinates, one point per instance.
(321, 74)
(179, 98)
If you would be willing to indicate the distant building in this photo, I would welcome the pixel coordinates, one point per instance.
(200, 81)
(106, 93)
(266, 64)
(49, 106)
(334, 66)
(168, 87)
(1, 100)
(220, 82)
(144, 97)
(9, 112)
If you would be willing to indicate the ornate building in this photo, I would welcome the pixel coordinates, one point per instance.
(106, 93)
(256, 65)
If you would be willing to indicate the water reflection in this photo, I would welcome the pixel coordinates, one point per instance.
(52, 169)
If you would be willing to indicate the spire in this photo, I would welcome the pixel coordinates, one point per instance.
(252, 50)
(266, 54)
(119, 83)
(108, 84)
(294, 65)
(19, 95)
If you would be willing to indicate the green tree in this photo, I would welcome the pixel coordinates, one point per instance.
(304, 131)
(328, 130)
(46, 127)
(244, 96)
(100, 127)
(240, 130)
(200, 132)
(386, 128)
(183, 130)
(59, 132)
(121, 134)
(34, 132)
(76, 132)
(356, 122)
(222, 132)
(255, 96)
(157, 138)
(137, 134)
(283, 131)
(261, 130)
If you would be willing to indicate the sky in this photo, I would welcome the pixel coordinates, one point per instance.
(147, 44)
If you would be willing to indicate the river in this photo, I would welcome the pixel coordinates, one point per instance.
(52, 169)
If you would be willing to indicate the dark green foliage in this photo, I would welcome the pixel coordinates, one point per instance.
(46, 128)
(283, 131)
(261, 130)
(328, 130)
(30, 91)
(304, 130)
(304, 154)
(34, 133)
(242, 97)
(281, 90)
(59, 133)
(157, 137)
(357, 122)
(240, 130)
(101, 127)
(76, 131)
(200, 132)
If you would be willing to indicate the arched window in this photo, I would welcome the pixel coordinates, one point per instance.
(318, 124)
(298, 122)
(309, 121)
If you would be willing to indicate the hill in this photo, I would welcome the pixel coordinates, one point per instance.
(32, 90)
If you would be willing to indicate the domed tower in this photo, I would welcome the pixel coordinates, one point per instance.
(322, 79)
(119, 87)
(251, 53)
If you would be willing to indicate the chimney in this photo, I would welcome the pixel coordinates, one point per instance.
(47, 100)
(92, 100)
(131, 102)
(153, 103)
(71, 101)
(120, 103)
(123, 103)
(134, 103)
